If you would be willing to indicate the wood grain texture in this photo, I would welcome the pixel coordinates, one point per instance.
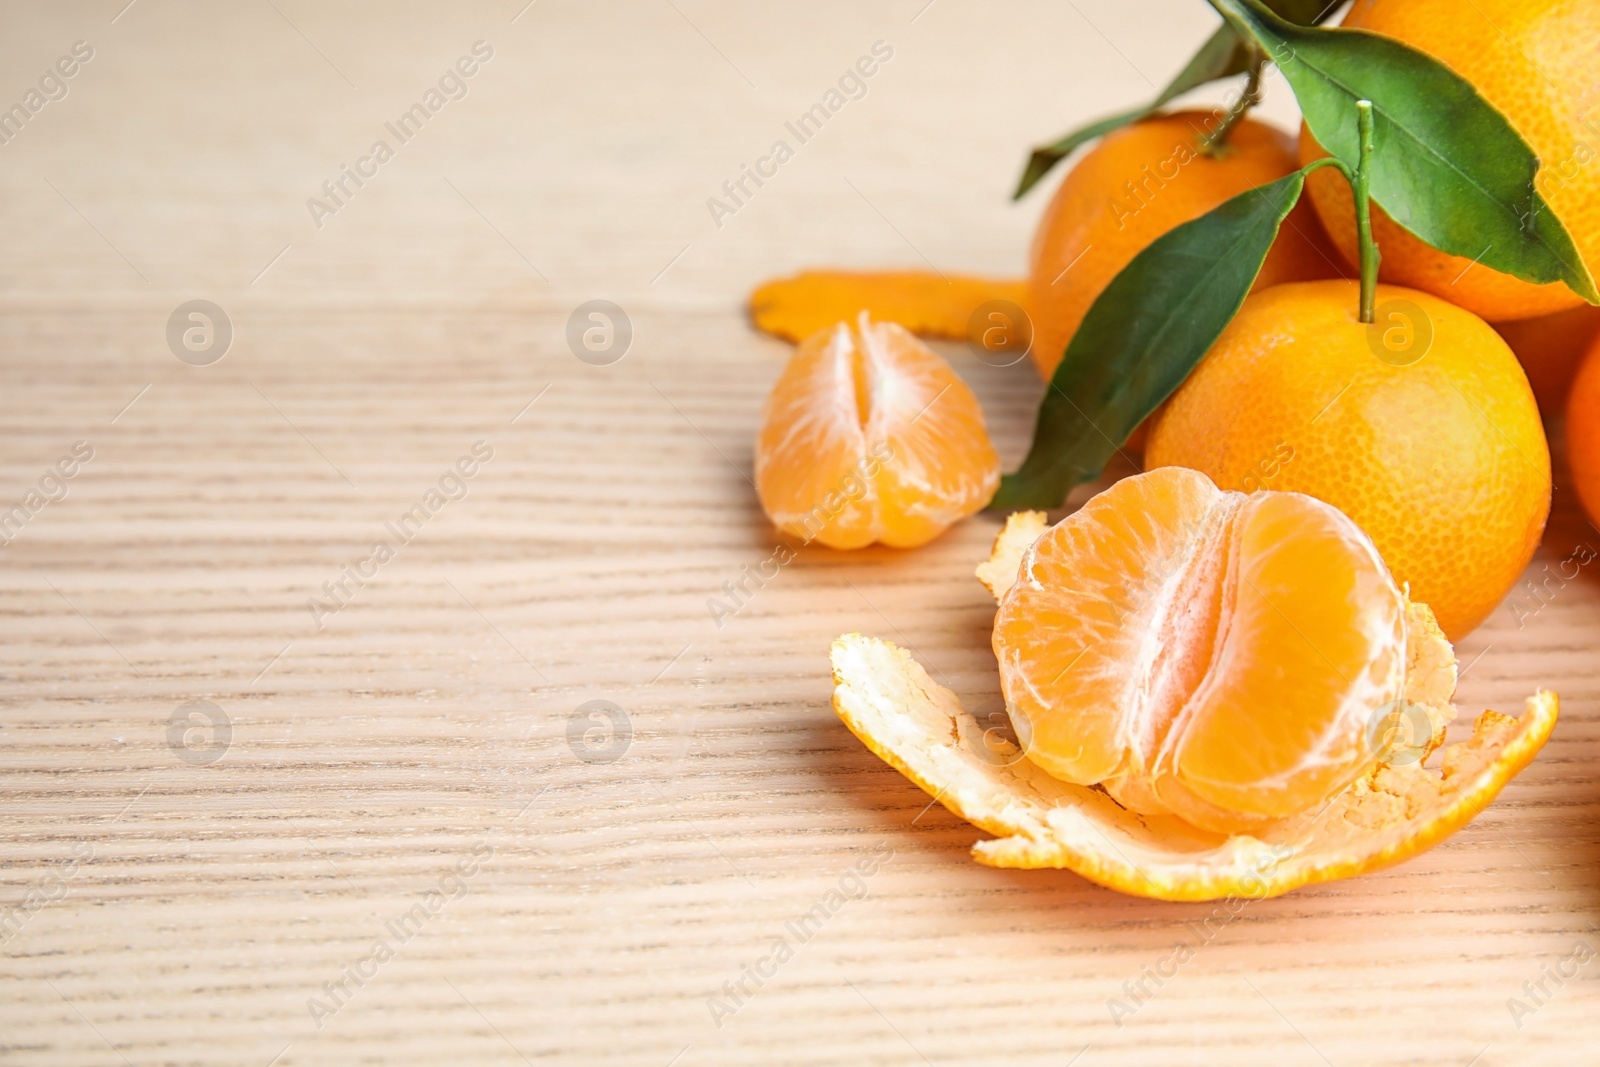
(195, 909)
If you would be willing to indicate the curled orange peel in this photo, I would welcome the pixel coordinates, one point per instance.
(1399, 810)
(930, 305)
(999, 572)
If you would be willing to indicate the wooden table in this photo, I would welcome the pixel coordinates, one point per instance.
(380, 837)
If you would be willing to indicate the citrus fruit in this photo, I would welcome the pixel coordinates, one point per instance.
(1534, 61)
(870, 436)
(1408, 802)
(927, 304)
(1583, 431)
(1135, 185)
(1151, 637)
(1420, 427)
(1549, 348)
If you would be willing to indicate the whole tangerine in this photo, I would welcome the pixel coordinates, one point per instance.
(1583, 431)
(1534, 60)
(1135, 185)
(1420, 426)
(1550, 347)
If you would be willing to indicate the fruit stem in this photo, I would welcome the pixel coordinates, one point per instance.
(1214, 142)
(1360, 184)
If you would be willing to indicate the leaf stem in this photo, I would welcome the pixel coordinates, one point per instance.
(1360, 185)
(1214, 142)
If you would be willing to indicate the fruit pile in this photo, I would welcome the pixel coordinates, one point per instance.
(1232, 674)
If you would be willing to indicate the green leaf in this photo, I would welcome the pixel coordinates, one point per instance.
(1446, 165)
(1142, 337)
(1222, 56)
(1305, 12)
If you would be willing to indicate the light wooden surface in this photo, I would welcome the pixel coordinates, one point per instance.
(187, 913)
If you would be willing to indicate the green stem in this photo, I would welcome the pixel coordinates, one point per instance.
(1360, 184)
(1214, 142)
(1360, 180)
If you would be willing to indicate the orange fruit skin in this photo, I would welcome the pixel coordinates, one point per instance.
(927, 304)
(1533, 60)
(1550, 348)
(1135, 185)
(1443, 462)
(1583, 431)
(919, 728)
(869, 436)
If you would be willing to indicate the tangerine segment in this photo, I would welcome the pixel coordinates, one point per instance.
(920, 728)
(1430, 672)
(933, 305)
(813, 446)
(1077, 635)
(1204, 653)
(870, 436)
(1312, 641)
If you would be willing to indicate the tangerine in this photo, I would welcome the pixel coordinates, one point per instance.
(1421, 427)
(868, 436)
(1550, 347)
(1534, 61)
(1404, 805)
(1135, 185)
(1151, 639)
(1583, 431)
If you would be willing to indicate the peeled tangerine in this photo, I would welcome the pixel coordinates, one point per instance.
(1216, 694)
(870, 436)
